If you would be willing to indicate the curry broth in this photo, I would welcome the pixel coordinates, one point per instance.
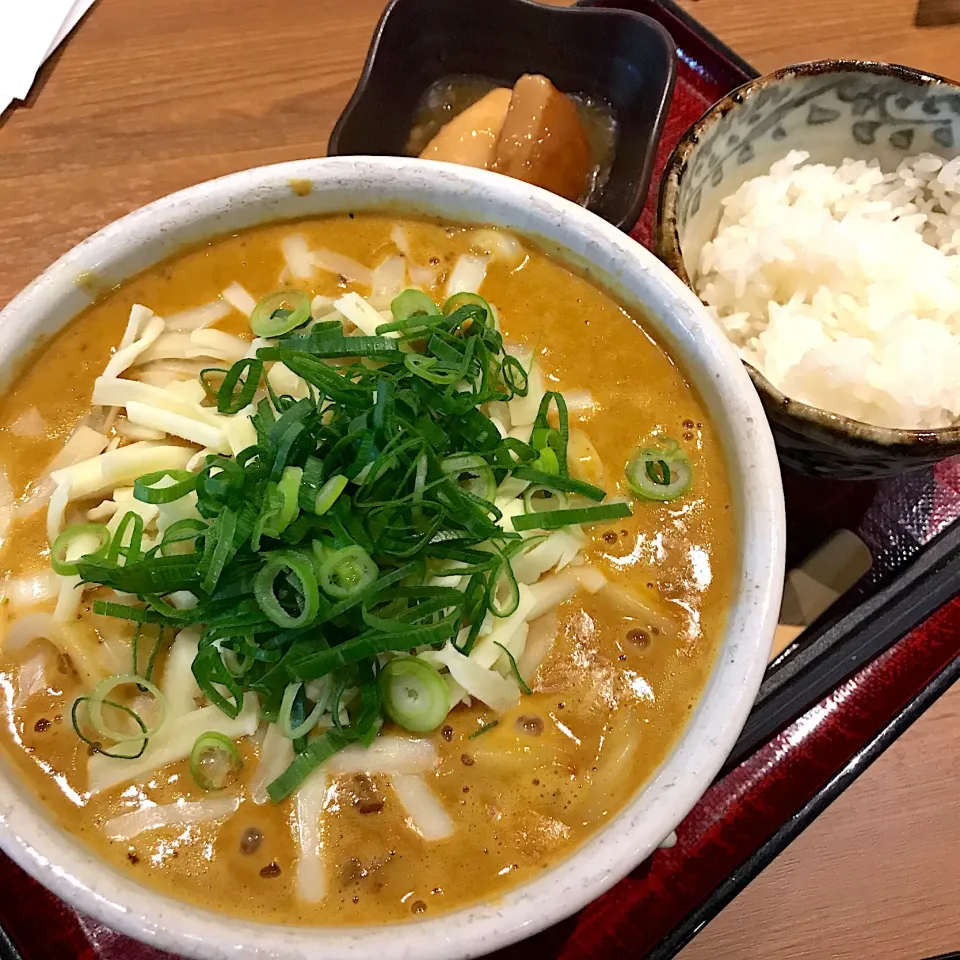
(608, 702)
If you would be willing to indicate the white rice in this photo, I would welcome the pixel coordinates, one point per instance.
(842, 285)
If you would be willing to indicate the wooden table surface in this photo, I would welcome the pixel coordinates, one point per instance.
(149, 97)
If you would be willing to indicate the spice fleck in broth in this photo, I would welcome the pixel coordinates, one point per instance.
(446, 806)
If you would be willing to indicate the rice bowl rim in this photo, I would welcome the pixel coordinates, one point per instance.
(668, 248)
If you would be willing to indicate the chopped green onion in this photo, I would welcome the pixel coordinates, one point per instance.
(58, 552)
(540, 499)
(544, 437)
(328, 494)
(318, 750)
(215, 761)
(285, 718)
(431, 369)
(219, 546)
(151, 662)
(414, 694)
(98, 697)
(298, 570)
(515, 376)
(214, 678)
(219, 484)
(547, 461)
(146, 490)
(125, 611)
(660, 474)
(411, 303)
(564, 484)
(229, 399)
(151, 577)
(467, 299)
(484, 729)
(320, 550)
(279, 313)
(211, 389)
(473, 473)
(374, 589)
(556, 519)
(181, 532)
(371, 644)
(514, 668)
(129, 549)
(503, 596)
(97, 745)
(346, 572)
(288, 490)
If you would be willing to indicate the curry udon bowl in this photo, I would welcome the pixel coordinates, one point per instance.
(696, 354)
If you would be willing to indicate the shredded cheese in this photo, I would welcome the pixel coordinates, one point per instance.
(127, 356)
(103, 473)
(361, 314)
(239, 298)
(150, 816)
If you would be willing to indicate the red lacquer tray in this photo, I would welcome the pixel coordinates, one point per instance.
(750, 815)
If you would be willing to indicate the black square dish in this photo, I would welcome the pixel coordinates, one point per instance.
(618, 56)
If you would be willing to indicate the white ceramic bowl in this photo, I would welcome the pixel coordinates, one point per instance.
(681, 324)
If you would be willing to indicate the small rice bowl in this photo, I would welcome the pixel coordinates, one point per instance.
(841, 284)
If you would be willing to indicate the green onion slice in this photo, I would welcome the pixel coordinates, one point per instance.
(137, 744)
(211, 378)
(285, 719)
(288, 490)
(230, 400)
(145, 489)
(431, 369)
(129, 548)
(100, 696)
(473, 473)
(515, 376)
(411, 303)
(327, 495)
(486, 728)
(180, 532)
(547, 462)
(318, 750)
(215, 761)
(298, 571)
(414, 694)
(503, 592)
(152, 659)
(467, 299)
(279, 313)
(346, 572)
(565, 484)
(540, 499)
(660, 474)
(556, 519)
(58, 552)
(518, 676)
(219, 547)
(544, 437)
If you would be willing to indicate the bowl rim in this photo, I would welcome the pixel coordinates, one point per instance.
(667, 247)
(63, 864)
(641, 184)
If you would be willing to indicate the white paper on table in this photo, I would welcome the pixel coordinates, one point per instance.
(29, 33)
(79, 8)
